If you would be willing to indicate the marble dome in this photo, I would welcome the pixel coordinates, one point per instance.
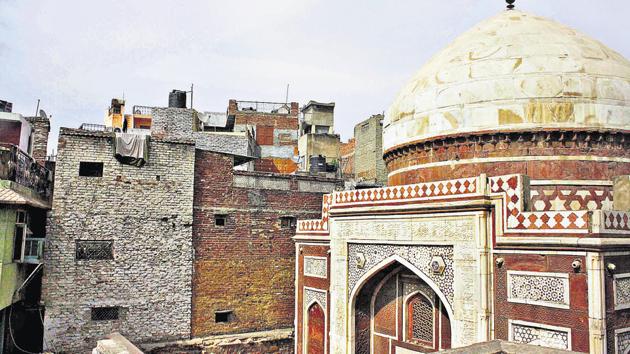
(515, 71)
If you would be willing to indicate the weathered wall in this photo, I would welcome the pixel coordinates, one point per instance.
(147, 213)
(326, 145)
(10, 131)
(553, 155)
(11, 274)
(41, 129)
(276, 133)
(246, 266)
(368, 153)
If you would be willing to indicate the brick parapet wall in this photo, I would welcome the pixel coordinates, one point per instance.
(147, 213)
(248, 265)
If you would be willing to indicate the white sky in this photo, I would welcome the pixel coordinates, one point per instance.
(77, 55)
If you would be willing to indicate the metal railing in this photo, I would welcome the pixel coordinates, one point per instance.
(34, 250)
(142, 110)
(264, 107)
(19, 167)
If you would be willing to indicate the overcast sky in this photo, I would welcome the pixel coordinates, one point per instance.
(77, 55)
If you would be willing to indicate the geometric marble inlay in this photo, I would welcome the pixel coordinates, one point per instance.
(312, 294)
(621, 286)
(537, 288)
(537, 334)
(622, 340)
(315, 266)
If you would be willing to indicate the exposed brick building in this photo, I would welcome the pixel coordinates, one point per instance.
(506, 214)
(276, 130)
(119, 252)
(244, 255)
(182, 246)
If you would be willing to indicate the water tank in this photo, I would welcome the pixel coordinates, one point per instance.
(177, 99)
(318, 164)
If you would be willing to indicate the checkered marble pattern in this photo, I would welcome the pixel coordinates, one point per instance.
(617, 220)
(518, 220)
(420, 191)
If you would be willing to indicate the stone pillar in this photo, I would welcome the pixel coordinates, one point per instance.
(621, 193)
(596, 302)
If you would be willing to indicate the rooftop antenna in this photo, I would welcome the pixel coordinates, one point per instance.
(37, 109)
(286, 97)
(510, 4)
(191, 95)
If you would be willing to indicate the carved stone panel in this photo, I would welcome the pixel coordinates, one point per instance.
(622, 340)
(315, 294)
(538, 334)
(315, 267)
(419, 256)
(539, 288)
(621, 286)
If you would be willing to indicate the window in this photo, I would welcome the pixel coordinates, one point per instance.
(223, 316)
(105, 313)
(20, 234)
(421, 320)
(220, 219)
(94, 250)
(287, 222)
(90, 169)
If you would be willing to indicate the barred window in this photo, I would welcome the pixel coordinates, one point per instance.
(94, 250)
(105, 313)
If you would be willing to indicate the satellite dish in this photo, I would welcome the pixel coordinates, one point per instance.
(42, 114)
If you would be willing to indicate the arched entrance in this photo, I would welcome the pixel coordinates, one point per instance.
(397, 308)
(315, 337)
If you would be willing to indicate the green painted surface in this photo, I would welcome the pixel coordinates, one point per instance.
(10, 274)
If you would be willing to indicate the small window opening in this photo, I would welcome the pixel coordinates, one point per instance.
(220, 219)
(287, 222)
(94, 250)
(91, 169)
(105, 313)
(224, 316)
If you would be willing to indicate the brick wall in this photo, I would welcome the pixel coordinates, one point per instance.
(147, 213)
(246, 266)
(41, 129)
(276, 133)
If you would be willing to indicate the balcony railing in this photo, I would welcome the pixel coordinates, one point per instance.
(263, 107)
(95, 127)
(34, 250)
(142, 110)
(17, 166)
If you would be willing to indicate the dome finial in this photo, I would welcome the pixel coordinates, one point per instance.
(510, 4)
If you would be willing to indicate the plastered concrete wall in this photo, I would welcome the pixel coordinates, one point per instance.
(147, 213)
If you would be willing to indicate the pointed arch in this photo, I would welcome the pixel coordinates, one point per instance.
(375, 270)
